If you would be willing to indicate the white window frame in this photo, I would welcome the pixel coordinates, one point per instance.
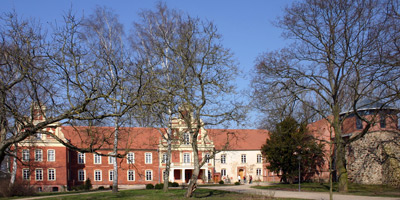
(186, 138)
(51, 157)
(97, 175)
(38, 136)
(26, 174)
(53, 174)
(164, 158)
(223, 159)
(111, 175)
(130, 158)
(147, 174)
(25, 155)
(111, 159)
(243, 158)
(258, 172)
(40, 178)
(96, 159)
(81, 172)
(223, 172)
(38, 155)
(81, 158)
(130, 175)
(259, 158)
(207, 157)
(186, 158)
(148, 158)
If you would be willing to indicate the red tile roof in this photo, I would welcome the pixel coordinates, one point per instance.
(148, 138)
(238, 139)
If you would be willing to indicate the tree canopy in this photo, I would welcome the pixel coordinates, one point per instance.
(288, 143)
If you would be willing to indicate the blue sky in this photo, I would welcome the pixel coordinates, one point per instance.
(246, 25)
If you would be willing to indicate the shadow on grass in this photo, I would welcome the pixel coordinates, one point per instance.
(208, 193)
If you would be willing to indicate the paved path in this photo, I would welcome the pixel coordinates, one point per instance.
(290, 194)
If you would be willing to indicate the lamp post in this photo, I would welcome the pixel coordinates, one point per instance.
(299, 158)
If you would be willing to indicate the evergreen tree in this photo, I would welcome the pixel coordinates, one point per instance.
(286, 144)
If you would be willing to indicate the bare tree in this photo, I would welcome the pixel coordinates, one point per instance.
(195, 73)
(151, 40)
(46, 80)
(331, 66)
(104, 34)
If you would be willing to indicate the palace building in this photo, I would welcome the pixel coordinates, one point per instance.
(48, 165)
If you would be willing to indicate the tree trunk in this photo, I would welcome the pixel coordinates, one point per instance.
(341, 167)
(14, 165)
(115, 152)
(340, 151)
(193, 180)
(168, 162)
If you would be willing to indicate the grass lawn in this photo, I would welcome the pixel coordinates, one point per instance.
(159, 194)
(354, 189)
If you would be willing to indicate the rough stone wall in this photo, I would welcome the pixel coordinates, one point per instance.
(375, 159)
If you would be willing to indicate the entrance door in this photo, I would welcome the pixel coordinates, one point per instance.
(188, 175)
(241, 171)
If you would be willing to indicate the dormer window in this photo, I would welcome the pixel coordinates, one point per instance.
(382, 121)
(358, 123)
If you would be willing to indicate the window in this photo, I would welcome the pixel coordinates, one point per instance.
(130, 158)
(186, 138)
(243, 158)
(25, 155)
(131, 175)
(148, 158)
(258, 172)
(358, 123)
(111, 159)
(51, 155)
(81, 175)
(164, 158)
(111, 175)
(223, 172)
(38, 136)
(259, 158)
(26, 175)
(186, 158)
(97, 175)
(223, 158)
(382, 121)
(207, 157)
(81, 158)
(38, 155)
(39, 174)
(51, 174)
(149, 175)
(97, 159)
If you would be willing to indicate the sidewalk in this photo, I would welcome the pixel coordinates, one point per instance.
(290, 194)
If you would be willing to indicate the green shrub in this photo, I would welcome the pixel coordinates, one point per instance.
(175, 184)
(221, 182)
(237, 183)
(101, 188)
(88, 184)
(149, 186)
(159, 186)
